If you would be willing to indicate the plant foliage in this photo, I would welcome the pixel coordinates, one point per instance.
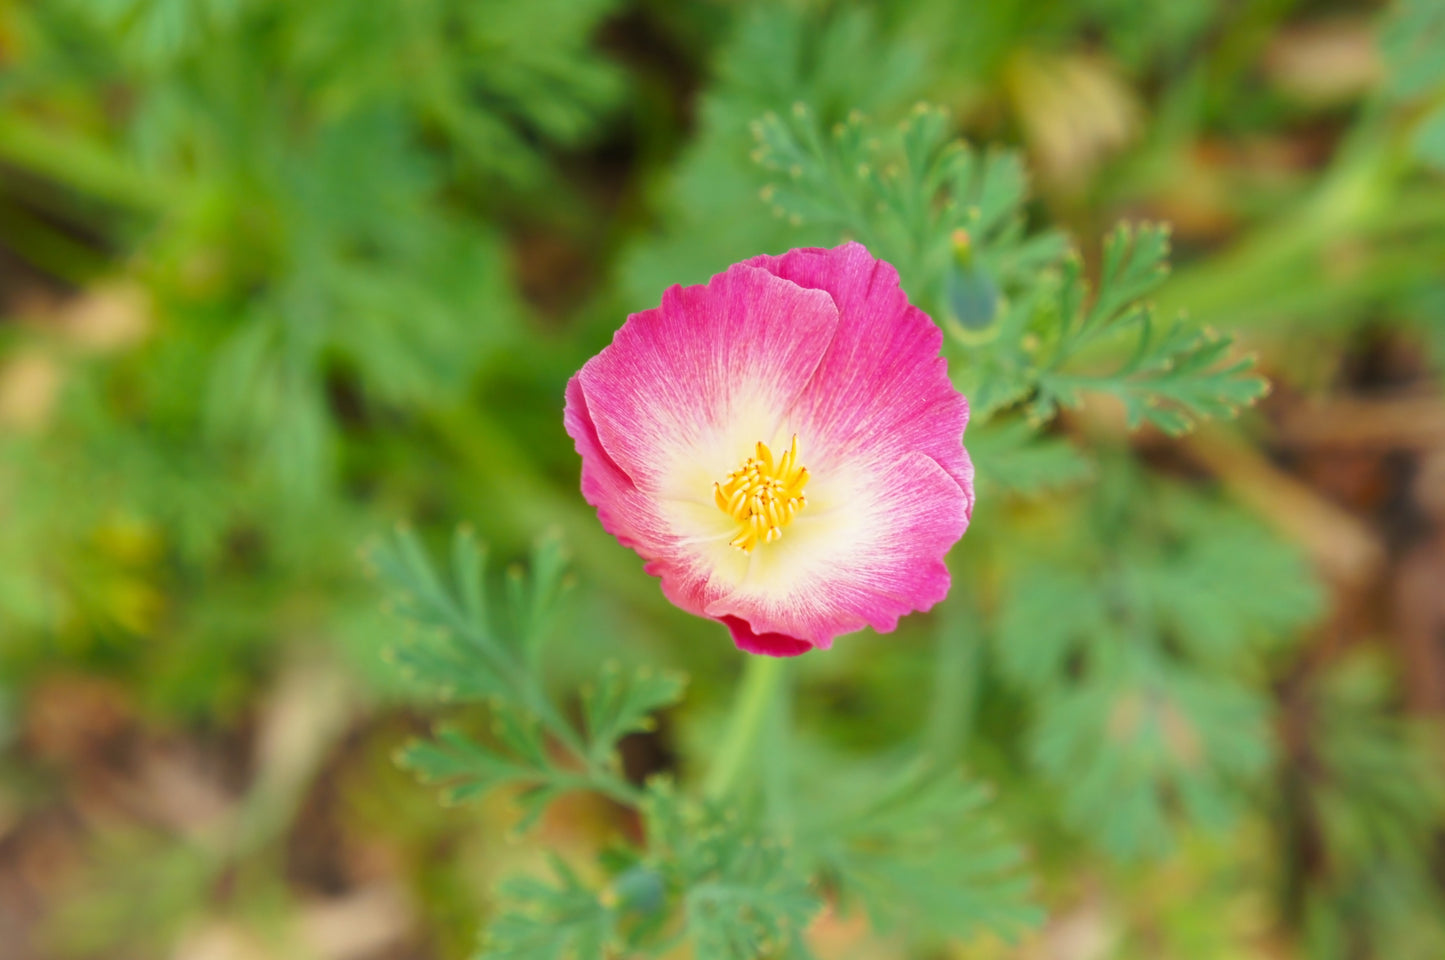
(951, 219)
(276, 274)
(916, 852)
(1145, 683)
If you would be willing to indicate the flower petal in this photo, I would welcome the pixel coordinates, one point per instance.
(819, 342)
(767, 644)
(684, 391)
(872, 553)
(882, 385)
(626, 513)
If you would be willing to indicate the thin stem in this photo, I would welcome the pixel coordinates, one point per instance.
(762, 677)
(955, 687)
(615, 788)
(775, 761)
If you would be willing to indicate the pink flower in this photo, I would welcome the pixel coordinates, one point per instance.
(782, 446)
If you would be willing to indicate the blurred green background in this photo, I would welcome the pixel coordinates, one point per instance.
(277, 276)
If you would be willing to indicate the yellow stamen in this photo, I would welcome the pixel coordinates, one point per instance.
(763, 496)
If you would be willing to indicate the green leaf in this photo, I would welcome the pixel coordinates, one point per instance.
(619, 702)
(777, 55)
(1174, 376)
(948, 217)
(1364, 787)
(1410, 40)
(454, 650)
(1136, 736)
(742, 896)
(501, 81)
(564, 920)
(534, 598)
(918, 852)
(1376, 789)
(461, 650)
(1138, 633)
(1428, 141)
(1011, 455)
(1226, 584)
(1049, 612)
(468, 769)
(950, 220)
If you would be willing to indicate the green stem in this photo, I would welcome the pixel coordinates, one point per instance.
(776, 764)
(762, 677)
(955, 686)
(87, 166)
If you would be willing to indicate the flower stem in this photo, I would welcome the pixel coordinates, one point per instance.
(956, 678)
(762, 677)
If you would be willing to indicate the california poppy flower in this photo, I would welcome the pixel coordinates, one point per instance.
(783, 446)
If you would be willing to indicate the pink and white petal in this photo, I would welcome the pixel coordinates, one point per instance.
(696, 568)
(625, 512)
(868, 549)
(882, 385)
(767, 644)
(684, 391)
(818, 342)
(684, 544)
